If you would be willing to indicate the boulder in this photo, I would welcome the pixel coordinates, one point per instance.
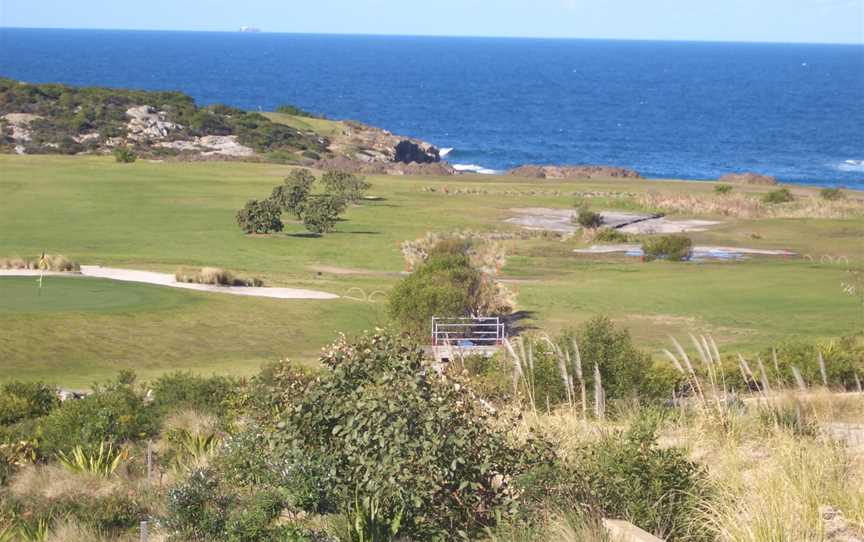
(573, 172)
(408, 151)
(748, 177)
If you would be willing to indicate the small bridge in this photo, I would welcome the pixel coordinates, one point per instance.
(460, 337)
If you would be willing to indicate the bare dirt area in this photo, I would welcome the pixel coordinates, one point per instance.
(561, 220)
(165, 279)
(349, 271)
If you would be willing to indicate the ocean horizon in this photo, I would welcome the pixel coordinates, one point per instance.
(688, 110)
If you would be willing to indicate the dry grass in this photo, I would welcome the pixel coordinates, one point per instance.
(47, 262)
(190, 420)
(773, 481)
(53, 481)
(742, 205)
(215, 276)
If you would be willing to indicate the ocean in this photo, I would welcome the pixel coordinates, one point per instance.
(666, 109)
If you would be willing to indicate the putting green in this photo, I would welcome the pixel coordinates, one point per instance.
(22, 295)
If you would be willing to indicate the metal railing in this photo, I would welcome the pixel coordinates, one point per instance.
(467, 332)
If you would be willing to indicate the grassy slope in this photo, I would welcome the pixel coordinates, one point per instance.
(163, 215)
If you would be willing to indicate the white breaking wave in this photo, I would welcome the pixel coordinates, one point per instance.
(474, 168)
(852, 165)
(445, 151)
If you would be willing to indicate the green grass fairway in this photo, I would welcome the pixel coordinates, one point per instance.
(163, 215)
(83, 329)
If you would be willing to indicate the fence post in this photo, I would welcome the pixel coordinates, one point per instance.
(144, 533)
(149, 460)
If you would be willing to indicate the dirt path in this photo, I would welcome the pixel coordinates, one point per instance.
(165, 279)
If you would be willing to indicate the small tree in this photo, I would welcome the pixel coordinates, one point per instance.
(291, 196)
(260, 217)
(348, 186)
(588, 218)
(124, 155)
(321, 212)
(781, 195)
(676, 248)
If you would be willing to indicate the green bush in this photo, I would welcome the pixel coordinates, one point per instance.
(623, 367)
(260, 217)
(589, 219)
(321, 212)
(398, 432)
(204, 507)
(722, 189)
(674, 248)
(183, 390)
(297, 112)
(446, 285)
(628, 476)
(25, 401)
(611, 235)
(349, 187)
(114, 414)
(781, 195)
(832, 194)
(291, 196)
(124, 155)
(844, 359)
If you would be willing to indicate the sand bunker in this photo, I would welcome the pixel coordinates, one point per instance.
(561, 220)
(165, 279)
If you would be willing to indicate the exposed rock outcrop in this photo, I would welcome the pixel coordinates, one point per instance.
(362, 143)
(573, 172)
(18, 124)
(748, 178)
(211, 146)
(145, 122)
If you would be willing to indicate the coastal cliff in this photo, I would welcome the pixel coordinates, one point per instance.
(61, 119)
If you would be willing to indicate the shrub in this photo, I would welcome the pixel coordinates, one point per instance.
(435, 457)
(289, 109)
(291, 196)
(24, 401)
(260, 217)
(781, 195)
(446, 285)
(183, 390)
(124, 155)
(611, 235)
(722, 189)
(674, 248)
(626, 475)
(215, 276)
(204, 507)
(114, 415)
(589, 219)
(345, 185)
(622, 366)
(832, 194)
(320, 213)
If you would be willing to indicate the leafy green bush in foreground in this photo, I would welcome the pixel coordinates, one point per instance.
(419, 443)
(781, 195)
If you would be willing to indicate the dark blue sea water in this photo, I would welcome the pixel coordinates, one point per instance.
(681, 110)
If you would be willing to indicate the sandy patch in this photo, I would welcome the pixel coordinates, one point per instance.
(165, 279)
(561, 220)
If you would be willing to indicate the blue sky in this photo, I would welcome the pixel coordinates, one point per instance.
(830, 21)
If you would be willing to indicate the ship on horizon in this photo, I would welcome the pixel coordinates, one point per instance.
(249, 29)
